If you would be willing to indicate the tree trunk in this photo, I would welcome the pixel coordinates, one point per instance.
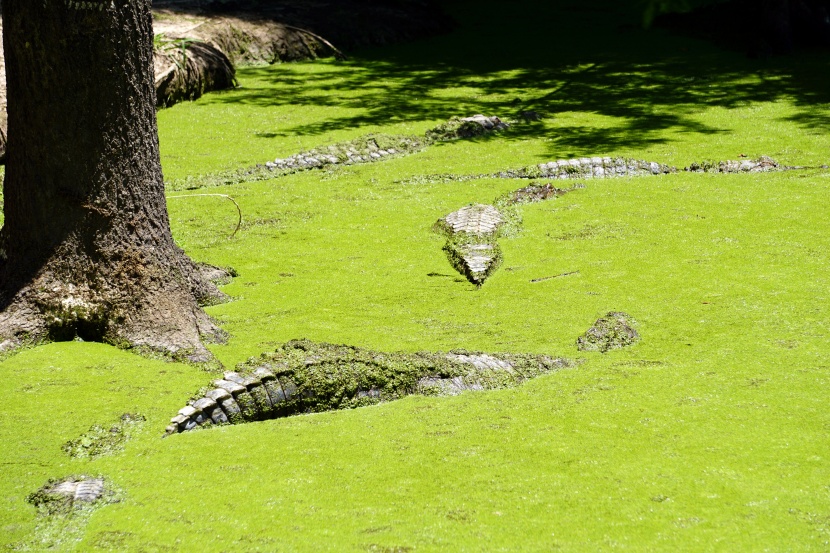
(86, 246)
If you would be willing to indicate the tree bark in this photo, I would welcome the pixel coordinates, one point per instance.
(86, 245)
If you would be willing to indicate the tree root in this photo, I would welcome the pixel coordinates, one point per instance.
(145, 307)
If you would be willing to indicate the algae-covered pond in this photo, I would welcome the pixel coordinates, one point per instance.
(709, 433)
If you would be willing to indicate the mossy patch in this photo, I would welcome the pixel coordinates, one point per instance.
(363, 149)
(303, 376)
(61, 495)
(368, 148)
(534, 192)
(718, 270)
(471, 245)
(464, 127)
(104, 439)
(613, 331)
(760, 165)
(472, 232)
(329, 376)
(64, 507)
(472, 257)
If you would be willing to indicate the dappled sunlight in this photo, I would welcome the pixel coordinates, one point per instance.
(648, 80)
(708, 429)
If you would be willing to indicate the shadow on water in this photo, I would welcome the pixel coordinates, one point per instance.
(552, 57)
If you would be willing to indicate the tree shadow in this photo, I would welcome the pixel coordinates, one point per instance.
(347, 23)
(589, 56)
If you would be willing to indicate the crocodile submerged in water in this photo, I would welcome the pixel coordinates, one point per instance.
(304, 377)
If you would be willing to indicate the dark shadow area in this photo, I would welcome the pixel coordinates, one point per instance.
(759, 28)
(570, 56)
(347, 23)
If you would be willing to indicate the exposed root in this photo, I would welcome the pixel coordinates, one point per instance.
(185, 69)
(132, 304)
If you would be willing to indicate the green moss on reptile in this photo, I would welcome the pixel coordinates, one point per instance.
(325, 377)
(249, 408)
(453, 129)
(455, 254)
(329, 376)
(260, 397)
(48, 503)
(235, 417)
(103, 439)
